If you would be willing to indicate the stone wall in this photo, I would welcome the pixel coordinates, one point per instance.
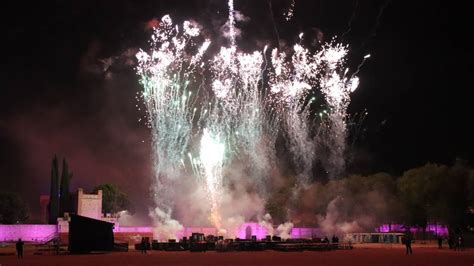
(27, 232)
(89, 205)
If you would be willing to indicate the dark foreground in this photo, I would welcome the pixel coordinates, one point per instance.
(361, 256)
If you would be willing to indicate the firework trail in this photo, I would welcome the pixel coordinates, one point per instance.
(165, 74)
(349, 23)
(373, 31)
(291, 83)
(336, 85)
(355, 124)
(274, 23)
(231, 23)
(238, 113)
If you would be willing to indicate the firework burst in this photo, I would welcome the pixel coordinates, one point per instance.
(242, 114)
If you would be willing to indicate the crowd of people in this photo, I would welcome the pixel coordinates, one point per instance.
(455, 242)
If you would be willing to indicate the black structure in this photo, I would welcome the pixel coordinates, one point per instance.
(87, 234)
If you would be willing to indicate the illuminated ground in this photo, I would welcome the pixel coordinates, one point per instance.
(360, 256)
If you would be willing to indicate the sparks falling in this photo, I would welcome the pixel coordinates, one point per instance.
(291, 10)
(202, 123)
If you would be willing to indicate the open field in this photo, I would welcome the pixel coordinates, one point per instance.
(359, 256)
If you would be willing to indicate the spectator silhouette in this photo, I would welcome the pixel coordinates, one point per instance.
(19, 248)
(147, 244)
(326, 240)
(143, 246)
(408, 241)
(460, 243)
(440, 242)
(457, 242)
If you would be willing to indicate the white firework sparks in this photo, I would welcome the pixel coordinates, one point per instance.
(242, 113)
(211, 155)
(291, 10)
(165, 74)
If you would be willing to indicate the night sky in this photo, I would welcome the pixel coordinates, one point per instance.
(58, 96)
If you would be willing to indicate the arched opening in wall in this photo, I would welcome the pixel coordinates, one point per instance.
(248, 232)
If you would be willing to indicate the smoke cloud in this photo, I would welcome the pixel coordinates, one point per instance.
(266, 222)
(331, 223)
(284, 230)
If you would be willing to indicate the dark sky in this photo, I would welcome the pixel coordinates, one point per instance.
(56, 98)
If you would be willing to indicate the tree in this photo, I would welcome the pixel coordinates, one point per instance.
(454, 196)
(12, 209)
(113, 199)
(54, 192)
(377, 195)
(418, 190)
(66, 176)
(470, 187)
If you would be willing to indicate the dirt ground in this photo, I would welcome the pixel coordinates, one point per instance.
(358, 256)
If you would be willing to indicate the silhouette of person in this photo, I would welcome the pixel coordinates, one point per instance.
(450, 242)
(457, 242)
(408, 244)
(460, 243)
(326, 240)
(440, 242)
(147, 244)
(19, 248)
(333, 240)
(143, 246)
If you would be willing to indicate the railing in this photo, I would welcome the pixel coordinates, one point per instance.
(49, 238)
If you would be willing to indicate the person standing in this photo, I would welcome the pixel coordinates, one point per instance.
(460, 243)
(440, 242)
(19, 248)
(408, 244)
(326, 240)
(143, 246)
(457, 241)
(147, 244)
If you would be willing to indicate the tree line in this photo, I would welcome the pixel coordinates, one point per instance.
(432, 193)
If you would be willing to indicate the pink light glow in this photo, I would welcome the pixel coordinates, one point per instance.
(27, 232)
(437, 229)
(308, 233)
(253, 229)
(133, 229)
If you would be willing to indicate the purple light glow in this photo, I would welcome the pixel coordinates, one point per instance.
(437, 229)
(254, 229)
(133, 229)
(303, 232)
(27, 232)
